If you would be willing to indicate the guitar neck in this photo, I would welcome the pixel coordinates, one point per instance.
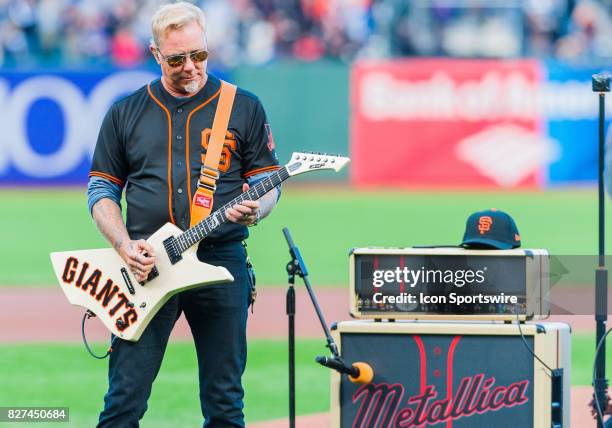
(201, 230)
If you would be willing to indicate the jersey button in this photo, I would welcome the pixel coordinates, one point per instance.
(180, 110)
(180, 190)
(179, 137)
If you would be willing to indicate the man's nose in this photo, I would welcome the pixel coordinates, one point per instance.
(189, 64)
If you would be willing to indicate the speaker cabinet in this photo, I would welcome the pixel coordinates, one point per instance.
(453, 375)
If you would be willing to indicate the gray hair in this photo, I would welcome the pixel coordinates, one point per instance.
(172, 16)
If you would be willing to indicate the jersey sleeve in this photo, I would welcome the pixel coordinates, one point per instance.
(109, 159)
(101, 188)
(259, 154)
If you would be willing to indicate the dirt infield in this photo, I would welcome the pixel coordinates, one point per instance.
(50, 318)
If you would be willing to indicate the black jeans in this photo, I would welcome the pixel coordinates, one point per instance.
(217, 316)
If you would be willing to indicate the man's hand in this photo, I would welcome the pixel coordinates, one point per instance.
(244, 213)
(133, 253)
(107, 216)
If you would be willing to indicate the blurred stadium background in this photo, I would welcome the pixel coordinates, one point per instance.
(446, 107)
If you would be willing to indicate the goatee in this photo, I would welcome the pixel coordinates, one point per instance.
(192, 87)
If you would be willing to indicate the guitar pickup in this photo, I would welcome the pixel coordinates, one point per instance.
(171, 246)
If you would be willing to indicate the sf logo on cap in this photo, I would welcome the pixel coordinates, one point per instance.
(484, 224)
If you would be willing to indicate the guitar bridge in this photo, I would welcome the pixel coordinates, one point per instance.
(171, 246)
(128, 281)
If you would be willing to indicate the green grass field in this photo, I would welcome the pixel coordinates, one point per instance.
(64, 375)
(325, 223)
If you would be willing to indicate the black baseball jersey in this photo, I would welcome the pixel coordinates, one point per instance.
(152, 143)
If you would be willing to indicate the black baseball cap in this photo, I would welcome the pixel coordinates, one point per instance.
(492, 229)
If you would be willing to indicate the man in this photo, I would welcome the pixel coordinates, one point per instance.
(151, 142)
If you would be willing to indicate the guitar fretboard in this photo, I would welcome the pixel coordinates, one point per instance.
(198, 232)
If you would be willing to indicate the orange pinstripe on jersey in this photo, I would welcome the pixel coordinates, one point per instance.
(169, 179)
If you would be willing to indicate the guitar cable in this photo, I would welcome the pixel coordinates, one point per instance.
(531, 351)
(89, 314)
(597, 351)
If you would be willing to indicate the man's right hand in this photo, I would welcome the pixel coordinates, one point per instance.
(139, 256)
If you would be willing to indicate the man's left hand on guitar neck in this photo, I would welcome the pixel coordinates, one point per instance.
(248, 213)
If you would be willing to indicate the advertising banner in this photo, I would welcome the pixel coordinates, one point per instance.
(571, 114)
(472, 123)
(413, 123)
(444, 122)
(50, 122)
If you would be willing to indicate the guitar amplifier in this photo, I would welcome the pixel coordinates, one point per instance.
(463, 374)
(449, 283)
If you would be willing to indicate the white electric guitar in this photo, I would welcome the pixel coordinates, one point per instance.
(100, 281)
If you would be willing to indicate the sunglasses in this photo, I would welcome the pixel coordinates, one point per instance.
(179, 60)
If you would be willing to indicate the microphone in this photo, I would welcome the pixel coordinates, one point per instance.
(359, 372)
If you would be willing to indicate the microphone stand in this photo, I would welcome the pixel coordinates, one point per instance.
(601, 84)
(297, 267)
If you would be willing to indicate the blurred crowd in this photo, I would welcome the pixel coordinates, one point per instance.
(86, 32)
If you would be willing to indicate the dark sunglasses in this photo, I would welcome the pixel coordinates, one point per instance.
(179, 60)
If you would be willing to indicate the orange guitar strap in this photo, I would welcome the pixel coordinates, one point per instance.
(202, 203)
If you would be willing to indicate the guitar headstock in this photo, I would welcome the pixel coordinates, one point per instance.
(305, 162)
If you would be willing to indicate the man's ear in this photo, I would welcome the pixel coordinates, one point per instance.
(154, 52)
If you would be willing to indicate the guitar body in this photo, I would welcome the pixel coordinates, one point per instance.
(99, 280)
